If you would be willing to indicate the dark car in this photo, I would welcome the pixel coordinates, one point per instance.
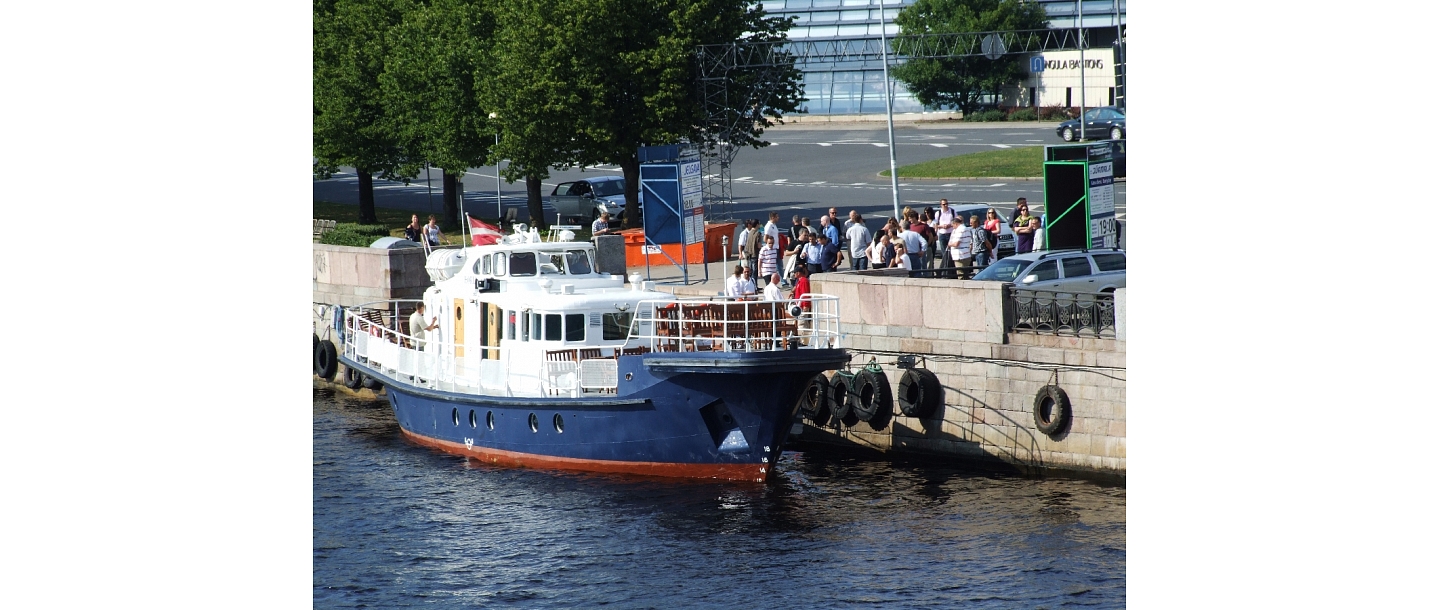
(1100, 123)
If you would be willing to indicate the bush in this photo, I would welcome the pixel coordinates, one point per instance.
(986, 116)
(352, 234)
(1055, 113)
(1023, 114)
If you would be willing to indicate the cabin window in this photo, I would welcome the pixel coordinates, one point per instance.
(552, 327)
(510, 324)
(575, 327)
(524, 327)
(615, 326)
(522, 263)
(499, 265)
(578, 262)
(488, 267)
(536, 324)
(552, 264)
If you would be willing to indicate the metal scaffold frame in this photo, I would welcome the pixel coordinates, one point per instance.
(743, 71)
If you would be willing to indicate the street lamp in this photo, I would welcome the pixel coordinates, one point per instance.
(499, 213)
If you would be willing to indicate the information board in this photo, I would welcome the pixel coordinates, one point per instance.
(671, 195)
(1080, 196)
(1103, 233)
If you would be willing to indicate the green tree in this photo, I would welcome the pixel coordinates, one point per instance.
(958, 82)
(351, 127)
(437, 59)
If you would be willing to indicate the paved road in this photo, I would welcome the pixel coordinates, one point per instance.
(806, 170)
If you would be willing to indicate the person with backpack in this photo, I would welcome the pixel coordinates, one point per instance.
(981, 245)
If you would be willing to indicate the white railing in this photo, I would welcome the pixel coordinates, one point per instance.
(728, 324)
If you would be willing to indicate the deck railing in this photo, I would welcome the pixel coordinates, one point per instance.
(1063, 313)
(729, 324)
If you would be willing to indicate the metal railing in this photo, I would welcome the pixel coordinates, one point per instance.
(728, 324)
(1062, 313)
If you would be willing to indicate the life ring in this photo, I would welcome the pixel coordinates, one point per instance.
(1052, 410)
(352, 378)
(325, 360)
(812, 401)
(837, 398)
(371, 383)
(871, 395)
(920, 393)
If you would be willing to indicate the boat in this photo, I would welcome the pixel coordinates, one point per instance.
(539, 360)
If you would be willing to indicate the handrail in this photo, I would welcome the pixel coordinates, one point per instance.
(1054, 312)
(736, 324)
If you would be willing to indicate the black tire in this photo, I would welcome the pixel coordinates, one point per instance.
(314, 341)
(352, 378)
(920, 393)
(871, 395)
(325, 361)
(1052, 410)
(371, 383)
(1068, 134)
(837, 398)
(812, 401)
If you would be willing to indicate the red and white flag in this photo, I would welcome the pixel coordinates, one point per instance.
(482, 234)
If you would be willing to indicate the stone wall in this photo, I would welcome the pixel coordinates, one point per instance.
(349, 276)
(990, 376)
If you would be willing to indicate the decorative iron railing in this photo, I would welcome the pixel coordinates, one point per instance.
(1062, 313)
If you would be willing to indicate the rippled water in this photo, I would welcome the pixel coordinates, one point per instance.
(399, 525)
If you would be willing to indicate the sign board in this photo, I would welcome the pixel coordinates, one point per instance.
(1037, 64)
(1080, 196)
(671, 195)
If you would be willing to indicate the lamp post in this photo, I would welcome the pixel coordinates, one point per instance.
(499, 213)
(889, 115)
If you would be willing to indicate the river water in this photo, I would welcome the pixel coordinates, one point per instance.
(398, 525)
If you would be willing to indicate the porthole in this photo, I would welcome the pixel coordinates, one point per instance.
(472, 418)
(455, 416)
(629, 376)
(490, 420)
(534, 423)
(559, 423)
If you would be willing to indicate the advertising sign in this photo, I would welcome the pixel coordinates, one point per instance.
(1103, 233)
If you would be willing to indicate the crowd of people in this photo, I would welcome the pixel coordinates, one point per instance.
(927, 238)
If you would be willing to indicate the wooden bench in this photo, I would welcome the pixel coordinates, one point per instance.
(322, 227)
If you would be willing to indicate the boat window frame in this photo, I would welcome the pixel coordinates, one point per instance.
(534, 264)
(572, 321)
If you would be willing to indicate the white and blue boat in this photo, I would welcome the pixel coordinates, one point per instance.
(538, 360)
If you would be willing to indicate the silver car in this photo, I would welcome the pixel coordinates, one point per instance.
(1005, 246)
(1080, 271)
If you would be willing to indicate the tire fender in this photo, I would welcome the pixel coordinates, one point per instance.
(812, 401)
(325, 360)
(837, 398)
(920, 393)
(371, 383)
(352, 378)
(1052, 410)
(870, 395)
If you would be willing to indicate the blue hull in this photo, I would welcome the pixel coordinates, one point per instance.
(696, 415)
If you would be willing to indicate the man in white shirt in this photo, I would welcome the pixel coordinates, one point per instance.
(772, 230)
(732, 283)
(772, 289)
(745, 288)
(958, 249)
(943, 221)
(740, 242)
(859, 236)
(417, 325)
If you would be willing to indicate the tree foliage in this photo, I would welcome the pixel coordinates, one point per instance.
(959, 82)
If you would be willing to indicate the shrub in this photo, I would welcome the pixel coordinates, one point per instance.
(1055, 113)
(352, 234)
(986, 116)
(1023, 114)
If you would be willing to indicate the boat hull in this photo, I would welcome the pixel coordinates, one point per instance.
(711, 415)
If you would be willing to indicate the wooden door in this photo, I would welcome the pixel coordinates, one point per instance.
(459, 328)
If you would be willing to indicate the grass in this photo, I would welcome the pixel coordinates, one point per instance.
(1019, 162)
(396, 219)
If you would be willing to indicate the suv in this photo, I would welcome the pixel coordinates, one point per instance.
(1080, 271)
(591, 197)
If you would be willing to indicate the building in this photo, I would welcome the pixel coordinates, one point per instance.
(857, 87)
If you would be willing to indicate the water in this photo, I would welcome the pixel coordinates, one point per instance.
(398, 525)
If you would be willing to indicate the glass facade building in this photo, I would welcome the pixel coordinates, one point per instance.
(857, 87)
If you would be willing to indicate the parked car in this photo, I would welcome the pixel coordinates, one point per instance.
(1100, 123)
(1081, 271)
(589, 198)
(1006, 245)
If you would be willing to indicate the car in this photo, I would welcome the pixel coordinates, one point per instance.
(1100, 123)
(1076, 271)
(1006, 245)
(591, 197)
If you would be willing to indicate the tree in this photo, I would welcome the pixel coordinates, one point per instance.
(437, 59)
(351, 127)
(959, 82)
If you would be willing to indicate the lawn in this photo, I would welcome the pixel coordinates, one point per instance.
(1002, 163)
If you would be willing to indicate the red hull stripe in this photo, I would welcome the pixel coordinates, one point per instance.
(499, 457)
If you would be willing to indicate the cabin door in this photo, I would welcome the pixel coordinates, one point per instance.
(459, 328)
(492, 330)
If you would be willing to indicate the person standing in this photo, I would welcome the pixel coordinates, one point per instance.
(752, 244)
(884, 251)
(914, 244)
(417, 323)
(772, 288)
(859, 236)
(829, 230)
(732, 283)
(432, 232)
(1025, 236)
(815, 255)
(601, 226)
(745, 288)
(957, 246)
(902, 258)
(992, 224)
(979, 248)
(1019, 203)
(799, 296)
(795, 254)
(769, 258)
(413, 231)
(944, 222)
(741, 239)
(772, 228)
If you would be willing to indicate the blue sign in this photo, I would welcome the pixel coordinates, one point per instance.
(1037, 64)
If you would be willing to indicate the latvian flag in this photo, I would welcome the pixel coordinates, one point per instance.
(482, 234)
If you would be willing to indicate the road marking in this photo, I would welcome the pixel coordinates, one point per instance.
(941, 145)
(951, 184)
(859, 184)
(1021, 133)
(825, 144)
(1034, 140)
(879, 144)
(820, 182)
(774, 181)
(996, 184)
(743, 178)
(1001, 145)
